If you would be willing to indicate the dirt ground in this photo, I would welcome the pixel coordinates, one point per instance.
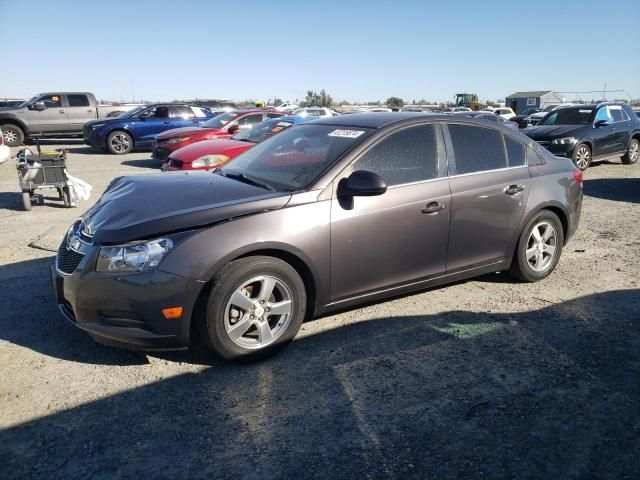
(482, 379)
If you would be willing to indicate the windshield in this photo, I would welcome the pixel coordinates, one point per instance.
(569, 116)
(135, 111)
(262, 131)
(27, 102)
(219, 121)
(295, 158)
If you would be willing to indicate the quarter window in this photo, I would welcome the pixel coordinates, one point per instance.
(409, 155)
(78, 100)
(515, 152)
(477, 149)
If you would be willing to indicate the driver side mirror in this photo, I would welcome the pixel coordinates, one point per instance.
(362, 183)
(601, 123)
(233, 129)
(38, 106)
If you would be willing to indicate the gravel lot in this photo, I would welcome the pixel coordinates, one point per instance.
(482, 379)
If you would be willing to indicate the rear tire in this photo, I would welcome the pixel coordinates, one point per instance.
(13, 135)
(26, 200)
(119, 142)
(633, 152)
(255, 308)
(582, 156)
(539, 247)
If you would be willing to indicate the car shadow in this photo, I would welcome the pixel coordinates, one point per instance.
(13, 201)
(548, 393)
(618, 189)
(144, 163)
(86, 150)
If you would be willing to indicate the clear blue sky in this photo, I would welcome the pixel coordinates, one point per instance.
(356, 50)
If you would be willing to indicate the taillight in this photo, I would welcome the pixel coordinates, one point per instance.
(577, 174)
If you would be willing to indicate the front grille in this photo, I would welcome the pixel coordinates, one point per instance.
(67, 260)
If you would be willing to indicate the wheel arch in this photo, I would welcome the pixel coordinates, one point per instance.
(17, 122)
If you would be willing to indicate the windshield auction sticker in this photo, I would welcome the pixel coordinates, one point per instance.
(346, 133)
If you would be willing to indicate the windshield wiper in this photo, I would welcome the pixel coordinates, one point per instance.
(243, 177)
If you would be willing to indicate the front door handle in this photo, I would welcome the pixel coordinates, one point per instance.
(61, 111)
(513, 189)
(433, 208)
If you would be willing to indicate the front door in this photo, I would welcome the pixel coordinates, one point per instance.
(150, 123)
(51, 120)
(398, 237)
(490, 185)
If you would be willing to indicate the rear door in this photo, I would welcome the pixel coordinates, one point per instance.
(621, 128)
(182, 116)
(490, 185)
(400, 236)
(79, 111)
(51, 120)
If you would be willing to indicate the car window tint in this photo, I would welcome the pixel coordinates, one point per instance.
(603, 114)
(515, 152)
(250, 119)
(403, 157)
(181, 111)
(618, 114)
(155, 112)
(51, 101)
(476, 149)
(78, 100)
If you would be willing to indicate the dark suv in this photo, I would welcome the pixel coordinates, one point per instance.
(590, 132)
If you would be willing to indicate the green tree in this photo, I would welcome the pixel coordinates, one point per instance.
(395, 102)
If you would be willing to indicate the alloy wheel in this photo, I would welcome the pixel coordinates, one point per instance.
(634, 151)
(541, 246)
(10, 136)
(120, 143)
(583, 157)
(258, 312)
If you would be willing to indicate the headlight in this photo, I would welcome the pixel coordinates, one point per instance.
(209, 161)
(178, 139)
(133, 258)
(97, 125)
(565, 141)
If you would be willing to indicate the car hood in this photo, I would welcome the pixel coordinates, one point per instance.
(144, 206)
(228, 147)
(550, 131)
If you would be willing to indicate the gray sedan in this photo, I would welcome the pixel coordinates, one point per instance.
(326, 215)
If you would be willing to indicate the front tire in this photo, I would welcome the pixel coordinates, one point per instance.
(119, 142)
(582, 156)
(255, 308)
(633, 152)
(13, 135)
(539, 247)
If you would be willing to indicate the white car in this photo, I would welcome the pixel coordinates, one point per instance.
(506, 113)
(535, 118)
(319, 112)
(5, 151)
(283, 107)
(380, 109)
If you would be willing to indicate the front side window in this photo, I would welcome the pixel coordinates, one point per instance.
(219, 121)
(262, 131)
(603, 114)
(78, 100)
(295, 158)
(51, 101)
(477, 149)
(154, 112)
(407, 156)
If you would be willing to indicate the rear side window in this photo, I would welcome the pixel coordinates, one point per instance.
(409, 155)
(618, 114)
(181, 111)
(477, 149)
(515, 152)
(78, 100)
(250, 119)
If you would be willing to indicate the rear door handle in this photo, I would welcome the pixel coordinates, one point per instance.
(513, 189)
(433, 207)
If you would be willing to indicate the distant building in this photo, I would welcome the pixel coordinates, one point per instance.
(521, 101)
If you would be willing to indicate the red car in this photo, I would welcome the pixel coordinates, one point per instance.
(220, 126)
(215, 153)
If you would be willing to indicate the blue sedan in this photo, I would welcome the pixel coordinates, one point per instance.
(138, 127)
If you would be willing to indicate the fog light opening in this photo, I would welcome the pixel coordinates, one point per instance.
(172, 313)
